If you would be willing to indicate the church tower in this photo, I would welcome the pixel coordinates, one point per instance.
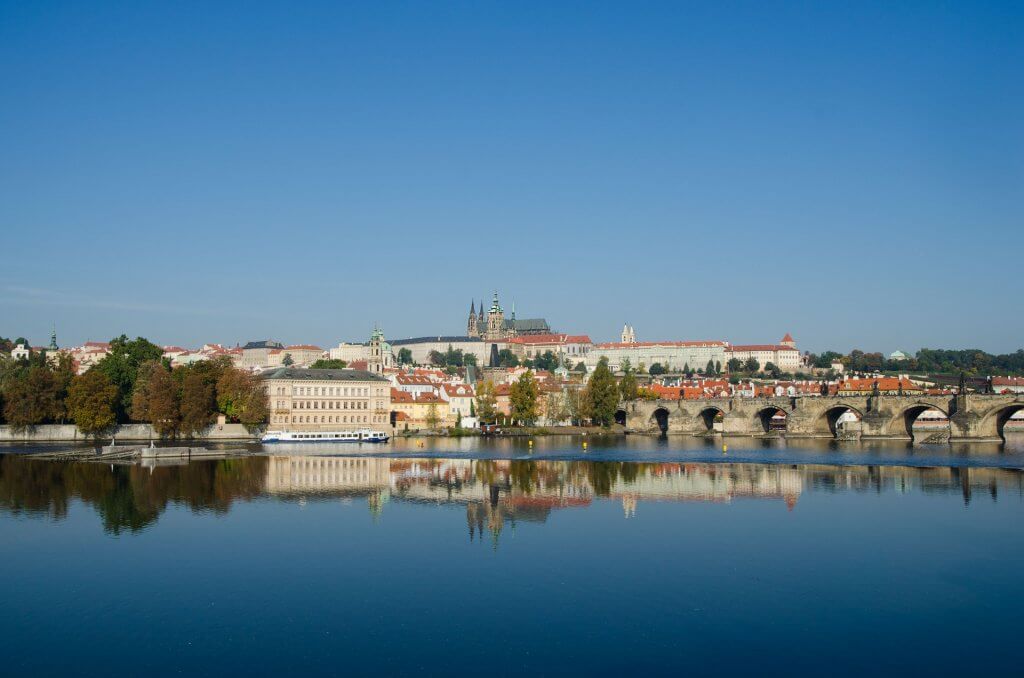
(377, 361)
(472, 326)
(495, 320)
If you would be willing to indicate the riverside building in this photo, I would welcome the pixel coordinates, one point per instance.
(326, 400)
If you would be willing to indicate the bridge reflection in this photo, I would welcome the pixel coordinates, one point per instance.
(494, 491)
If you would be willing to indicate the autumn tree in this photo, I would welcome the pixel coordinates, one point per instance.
(523, 398)
(242, 398)
(155, 399)
(31, 398)
(91, 403)
(486, 402)
(196, 405)
(433, 418)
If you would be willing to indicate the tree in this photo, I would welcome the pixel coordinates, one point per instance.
(91, 403)
(718, 367)
(196, 406)
(556, 408)
(772, 369)
(628, 388)
(404, 356)
(548, 361)
(30, 398)
(328, 364)
(287, 360)
(656, 369)
(506, 358)
(432, 416)
(734, 365)
(709, 369)
(486, 402)
(63, 375)
(523, 398)
(752, 365)
(686, 369)
(625, 365)
(469, 359)
(601, 396)
(122, 365)
(241, 397)
(161, 405)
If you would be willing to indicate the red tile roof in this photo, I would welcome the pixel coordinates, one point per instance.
(761, 347)
(551, 339)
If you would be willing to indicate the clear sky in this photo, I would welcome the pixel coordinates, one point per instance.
(850, 172)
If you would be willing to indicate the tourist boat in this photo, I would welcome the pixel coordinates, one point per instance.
(361, 436)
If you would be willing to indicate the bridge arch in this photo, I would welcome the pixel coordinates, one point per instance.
(709, 416)
(620, 417)
(832, 420)
(772, 419)
(996, 420)
(659, 418)
(911, 416)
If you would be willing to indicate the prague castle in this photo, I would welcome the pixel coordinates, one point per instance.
(496, 327)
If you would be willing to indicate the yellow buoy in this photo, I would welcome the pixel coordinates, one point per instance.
(584, 445)
(725, 449)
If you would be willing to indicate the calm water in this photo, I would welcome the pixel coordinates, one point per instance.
(468, 556)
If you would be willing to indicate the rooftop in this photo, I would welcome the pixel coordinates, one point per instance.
(322, 375)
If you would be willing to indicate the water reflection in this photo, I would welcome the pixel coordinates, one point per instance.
(493, 492)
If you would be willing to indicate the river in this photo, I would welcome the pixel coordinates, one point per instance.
(636, 555)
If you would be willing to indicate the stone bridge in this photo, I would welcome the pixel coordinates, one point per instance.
(973, 417)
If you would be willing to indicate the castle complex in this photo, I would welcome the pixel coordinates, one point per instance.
(495, 327)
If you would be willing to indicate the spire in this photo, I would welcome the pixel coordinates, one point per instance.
(472, 308)
(513, 311)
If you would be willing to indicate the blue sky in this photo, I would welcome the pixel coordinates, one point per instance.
(850, 172)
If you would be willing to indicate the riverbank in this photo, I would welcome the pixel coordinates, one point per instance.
(69, 433)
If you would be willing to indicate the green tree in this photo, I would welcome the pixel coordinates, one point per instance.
(772, 369)
(709, 369)
(404, 356)
(486, 402)
(752, 365)
(718, 367)
(734, 365)
(523, 398)
(548, 361)
(287, 360)
(121, 366)
(601, 396)
(656, 369)
(328, 364)
(628, 388)
(91, 403)
(506, 358)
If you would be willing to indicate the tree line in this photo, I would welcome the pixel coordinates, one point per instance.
(133, 383)
(973, 362)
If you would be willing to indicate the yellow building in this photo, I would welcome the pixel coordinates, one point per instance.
(326, 400)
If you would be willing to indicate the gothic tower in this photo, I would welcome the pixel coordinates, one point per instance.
(472, 327)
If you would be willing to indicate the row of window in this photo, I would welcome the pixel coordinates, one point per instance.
(336, 391)
(306, 419)
(331, 405)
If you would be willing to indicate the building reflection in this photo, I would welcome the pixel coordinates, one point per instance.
(496, 494)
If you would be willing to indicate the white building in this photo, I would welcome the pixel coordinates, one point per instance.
(673, 355)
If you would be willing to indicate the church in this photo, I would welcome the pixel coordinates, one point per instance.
(494, 326)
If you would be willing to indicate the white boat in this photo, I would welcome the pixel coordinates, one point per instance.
(364, 435)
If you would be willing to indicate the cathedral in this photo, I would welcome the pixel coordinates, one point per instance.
(494, 326)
